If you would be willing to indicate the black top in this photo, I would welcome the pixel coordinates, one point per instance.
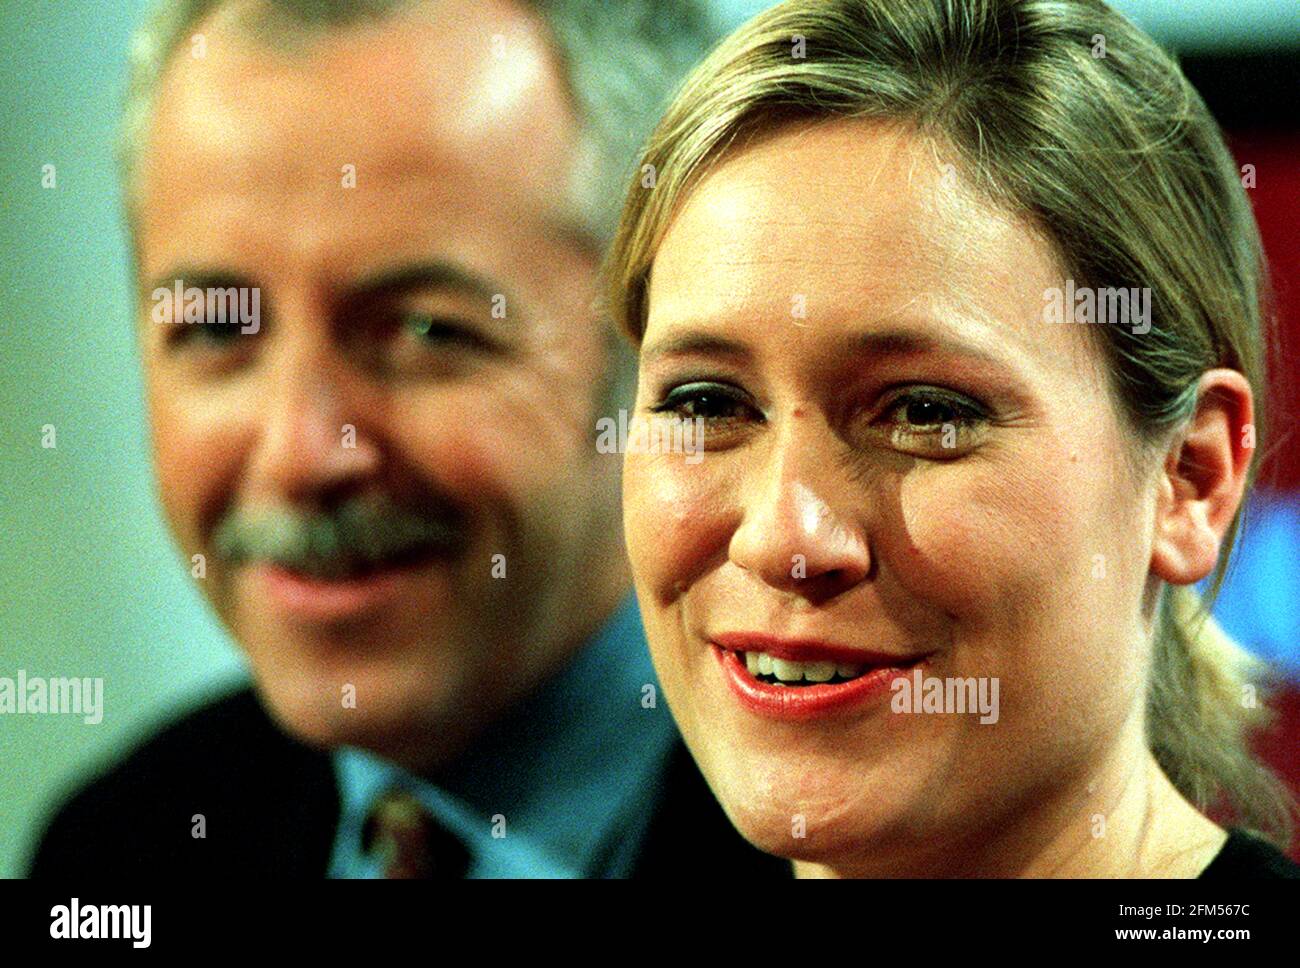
(1247, 857)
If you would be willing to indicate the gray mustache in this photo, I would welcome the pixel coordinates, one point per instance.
(335, 541)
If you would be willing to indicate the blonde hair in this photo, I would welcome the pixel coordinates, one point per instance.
(1065, 113)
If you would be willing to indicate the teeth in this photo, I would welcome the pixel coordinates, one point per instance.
(762, 664)
(818, 671)
(787, 671)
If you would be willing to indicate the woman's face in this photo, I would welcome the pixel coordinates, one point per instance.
(905, 469)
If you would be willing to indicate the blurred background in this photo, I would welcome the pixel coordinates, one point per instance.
(90, 584)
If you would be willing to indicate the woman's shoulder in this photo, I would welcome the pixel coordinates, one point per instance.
(1246, 856)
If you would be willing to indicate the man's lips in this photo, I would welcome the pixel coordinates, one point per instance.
(316, 598)
(809, 650)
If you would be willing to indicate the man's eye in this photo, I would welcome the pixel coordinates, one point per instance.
(214, 335)
(444, 331)
(710, 401)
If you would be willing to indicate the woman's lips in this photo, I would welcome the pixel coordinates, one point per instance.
(805, 650)
(804, 702)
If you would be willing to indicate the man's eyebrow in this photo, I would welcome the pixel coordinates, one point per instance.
(198, 278)
(437, 274)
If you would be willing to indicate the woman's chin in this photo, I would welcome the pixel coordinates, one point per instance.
(794, 836)
(828, 822)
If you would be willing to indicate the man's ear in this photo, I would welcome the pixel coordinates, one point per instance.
(1203, 479)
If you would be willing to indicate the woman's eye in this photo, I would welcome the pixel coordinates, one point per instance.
(925, 412)
(933, 421)
(709, 401)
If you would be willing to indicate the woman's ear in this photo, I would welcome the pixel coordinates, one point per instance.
(1203, 478)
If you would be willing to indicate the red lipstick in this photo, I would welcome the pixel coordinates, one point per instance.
(806, 702)
(805, 650)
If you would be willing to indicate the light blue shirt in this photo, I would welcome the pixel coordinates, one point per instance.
(563, 786)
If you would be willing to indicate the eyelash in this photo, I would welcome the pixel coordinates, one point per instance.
(964, 415)
(675, 399)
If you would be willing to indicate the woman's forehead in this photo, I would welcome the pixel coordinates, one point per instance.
(841, 224)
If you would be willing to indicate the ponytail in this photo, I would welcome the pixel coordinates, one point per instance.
(1206, 700)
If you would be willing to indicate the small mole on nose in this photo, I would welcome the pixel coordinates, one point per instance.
(798, 411)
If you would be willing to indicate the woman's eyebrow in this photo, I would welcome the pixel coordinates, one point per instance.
(881, 344)
(906, 342)
(696, 344)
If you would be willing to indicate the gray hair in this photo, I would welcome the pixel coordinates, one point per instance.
(622, 62)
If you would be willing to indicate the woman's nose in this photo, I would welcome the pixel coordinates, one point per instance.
(799, 531)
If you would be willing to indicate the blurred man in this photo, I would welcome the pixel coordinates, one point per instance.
(366, 239)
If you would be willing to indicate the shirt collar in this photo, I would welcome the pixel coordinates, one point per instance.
(565, 780)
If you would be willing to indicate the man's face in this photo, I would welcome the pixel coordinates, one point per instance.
(425, 355)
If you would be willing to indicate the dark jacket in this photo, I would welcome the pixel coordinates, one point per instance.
(271, 806)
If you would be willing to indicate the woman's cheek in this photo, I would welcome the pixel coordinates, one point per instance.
(1013, 557)
(977, 538)
(676, 515)
(942, 545)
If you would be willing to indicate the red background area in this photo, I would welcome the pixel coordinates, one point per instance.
(1276, 200)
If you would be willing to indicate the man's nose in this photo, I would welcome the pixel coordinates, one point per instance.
(312, 437)
(800, 531)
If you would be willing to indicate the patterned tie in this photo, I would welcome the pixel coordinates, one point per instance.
(409, 843)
